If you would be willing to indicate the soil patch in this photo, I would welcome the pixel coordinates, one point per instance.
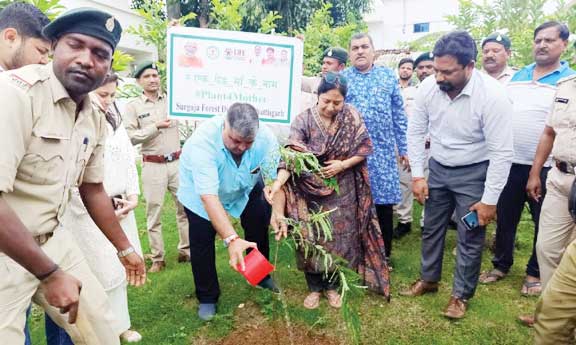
(275, 333)
(252, 328)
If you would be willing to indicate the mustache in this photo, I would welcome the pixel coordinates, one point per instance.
(78, 70)
(445, 86)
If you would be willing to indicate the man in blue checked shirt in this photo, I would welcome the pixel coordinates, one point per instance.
(221, 175)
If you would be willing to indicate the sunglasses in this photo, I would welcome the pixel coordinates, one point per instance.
(335, 78)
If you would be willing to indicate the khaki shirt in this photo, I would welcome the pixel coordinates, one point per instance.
(142, 114)
(46, 148)
(310, 84)
(563, 120)
(506, 74)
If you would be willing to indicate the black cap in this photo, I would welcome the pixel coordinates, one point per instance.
(337, 53)
(428, 56)
(498, 38)
(87, 21)
(144, 66)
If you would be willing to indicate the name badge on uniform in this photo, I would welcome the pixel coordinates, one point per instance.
(143, 115)
(562, 100)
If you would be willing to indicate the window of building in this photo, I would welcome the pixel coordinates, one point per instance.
(421, 27)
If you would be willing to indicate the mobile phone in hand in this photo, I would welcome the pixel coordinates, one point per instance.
(470, 220)
(116, 204)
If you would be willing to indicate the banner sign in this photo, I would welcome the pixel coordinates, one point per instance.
(209, 70)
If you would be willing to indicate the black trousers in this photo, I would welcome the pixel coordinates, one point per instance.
(255, 220)
(509, 212)
(318, 282)
(385, 214)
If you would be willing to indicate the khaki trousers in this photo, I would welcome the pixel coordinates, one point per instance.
(404, 208)
(557, 228)
(95, 323)
(156, 179)
(556, 308)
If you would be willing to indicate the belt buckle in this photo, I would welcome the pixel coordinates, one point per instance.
(168, 157)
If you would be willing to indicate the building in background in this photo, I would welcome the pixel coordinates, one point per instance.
(127, 17)
(393, 21)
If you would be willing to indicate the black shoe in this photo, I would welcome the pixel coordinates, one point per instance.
(402, 229)
(269, 284)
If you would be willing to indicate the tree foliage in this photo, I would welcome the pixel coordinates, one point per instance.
(321, 33)
(51, 8)
(295, 14)
(153, 30)
(516, 18)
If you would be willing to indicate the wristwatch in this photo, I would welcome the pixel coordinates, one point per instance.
(230, 239)
(126, 252)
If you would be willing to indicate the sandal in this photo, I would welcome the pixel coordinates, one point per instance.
(131, 336)
(334, 299)
(491, 276)
(312, 301)
(526, 320)
(530, 289)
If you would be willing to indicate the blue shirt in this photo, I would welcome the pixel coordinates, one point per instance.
(527, 74)
(377, 97)
(208, 168)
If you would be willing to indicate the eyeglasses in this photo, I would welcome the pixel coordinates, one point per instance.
(335, 78)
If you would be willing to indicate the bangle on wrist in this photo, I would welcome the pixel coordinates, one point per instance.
(44, 276)
(126, 252)
(228, 240)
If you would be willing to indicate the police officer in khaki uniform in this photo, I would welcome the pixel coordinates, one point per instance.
(496, 51)
(147, 124)
(557, 228)
(53, 140)
(333, 60)
(559, 138)
(556, 309)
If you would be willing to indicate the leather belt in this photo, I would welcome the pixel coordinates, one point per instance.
(41, 239)
(565, 167)
(170, 157)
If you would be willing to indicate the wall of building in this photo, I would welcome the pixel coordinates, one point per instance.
(393, 21)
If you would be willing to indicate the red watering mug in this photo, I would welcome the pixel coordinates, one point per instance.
(257, 267)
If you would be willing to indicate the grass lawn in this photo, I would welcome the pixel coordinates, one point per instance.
(164, 310)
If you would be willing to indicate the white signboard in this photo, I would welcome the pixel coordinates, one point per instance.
(208, 70)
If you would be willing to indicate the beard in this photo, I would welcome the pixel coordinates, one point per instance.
(18, 59)
(446, 86)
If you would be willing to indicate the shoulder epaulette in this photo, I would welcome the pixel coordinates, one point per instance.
(565, 79)
(24, 78)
